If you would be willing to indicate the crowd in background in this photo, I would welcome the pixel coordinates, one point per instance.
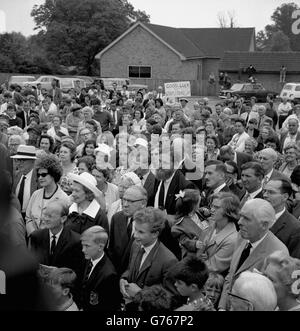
(124, 207)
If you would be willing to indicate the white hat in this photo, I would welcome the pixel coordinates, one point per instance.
(25, 152)
(134, 177)
(86, 180)
(103, 148)
(141, 142)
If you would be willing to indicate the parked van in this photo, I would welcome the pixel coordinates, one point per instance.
(21, 80)
(291, 91)
(67, 84)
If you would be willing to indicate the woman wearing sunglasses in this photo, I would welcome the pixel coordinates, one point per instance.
(49, 172)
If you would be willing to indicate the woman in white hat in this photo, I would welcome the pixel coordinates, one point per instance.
(85, 212)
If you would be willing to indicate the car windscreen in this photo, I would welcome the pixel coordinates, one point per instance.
(288, 87)
(66, 83)
(236, 87)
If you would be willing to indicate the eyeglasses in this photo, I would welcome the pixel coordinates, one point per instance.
(242, 303)
(44, 174)
(131, 201)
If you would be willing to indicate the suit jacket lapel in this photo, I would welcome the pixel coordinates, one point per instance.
(62, 241)
(149, 259)
(279, 224)
(172, 189)
(255, 255)
(46, 246)
(95, 273)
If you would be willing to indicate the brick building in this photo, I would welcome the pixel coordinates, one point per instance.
(267, 65)
(153, 54)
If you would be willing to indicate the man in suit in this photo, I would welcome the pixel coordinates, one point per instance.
(24, 178)
(55, 92)
(292, 135)
(169, 182)
(255, 244)
(267, 158)
(150, 260)
(24, 114)
(56, 245)
(228, 154)
(286, 227)
(215, 180)
(116, 115)
(100, 284)
(252, 176)
(121, 229)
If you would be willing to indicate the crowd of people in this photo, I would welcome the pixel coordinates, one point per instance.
(135, 202)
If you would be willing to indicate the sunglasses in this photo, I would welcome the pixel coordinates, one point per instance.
(44, 174)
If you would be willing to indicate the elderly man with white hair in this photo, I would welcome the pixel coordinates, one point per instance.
(255, 244)
(252, 292)
(267, 159)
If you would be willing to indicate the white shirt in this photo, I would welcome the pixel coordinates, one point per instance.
(279, 214)
(94, 263)
(237, 142)
(255, 244)
(147, 252)
(254, 194)
(56, 237)
(167, 184)
(27, 194)
(219, 188)
(267, 176)
(283, 109)
(145, 178)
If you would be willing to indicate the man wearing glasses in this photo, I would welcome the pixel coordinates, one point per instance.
(121, 231)
(286, 227)
(256, 218)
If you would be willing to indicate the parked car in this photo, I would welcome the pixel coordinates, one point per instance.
(67, 83)
(45, 81)
(20, 80)
(248, 90)
(291, 91)
(88, 80)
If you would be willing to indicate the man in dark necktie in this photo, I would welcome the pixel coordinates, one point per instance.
(256, 218)
(121, 230)
(150, 259)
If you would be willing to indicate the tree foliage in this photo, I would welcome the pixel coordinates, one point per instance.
(227, 20)
(74, 31)
(280, 31)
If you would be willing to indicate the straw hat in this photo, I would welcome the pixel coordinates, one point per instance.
(86, 180)
(25, 152)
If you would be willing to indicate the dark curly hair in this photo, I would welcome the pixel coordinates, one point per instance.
(153, 298)
(51, 141)
(89, 161)
(52, 164)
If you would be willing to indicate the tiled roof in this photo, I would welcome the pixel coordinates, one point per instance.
(205, 42)
(262, 61)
